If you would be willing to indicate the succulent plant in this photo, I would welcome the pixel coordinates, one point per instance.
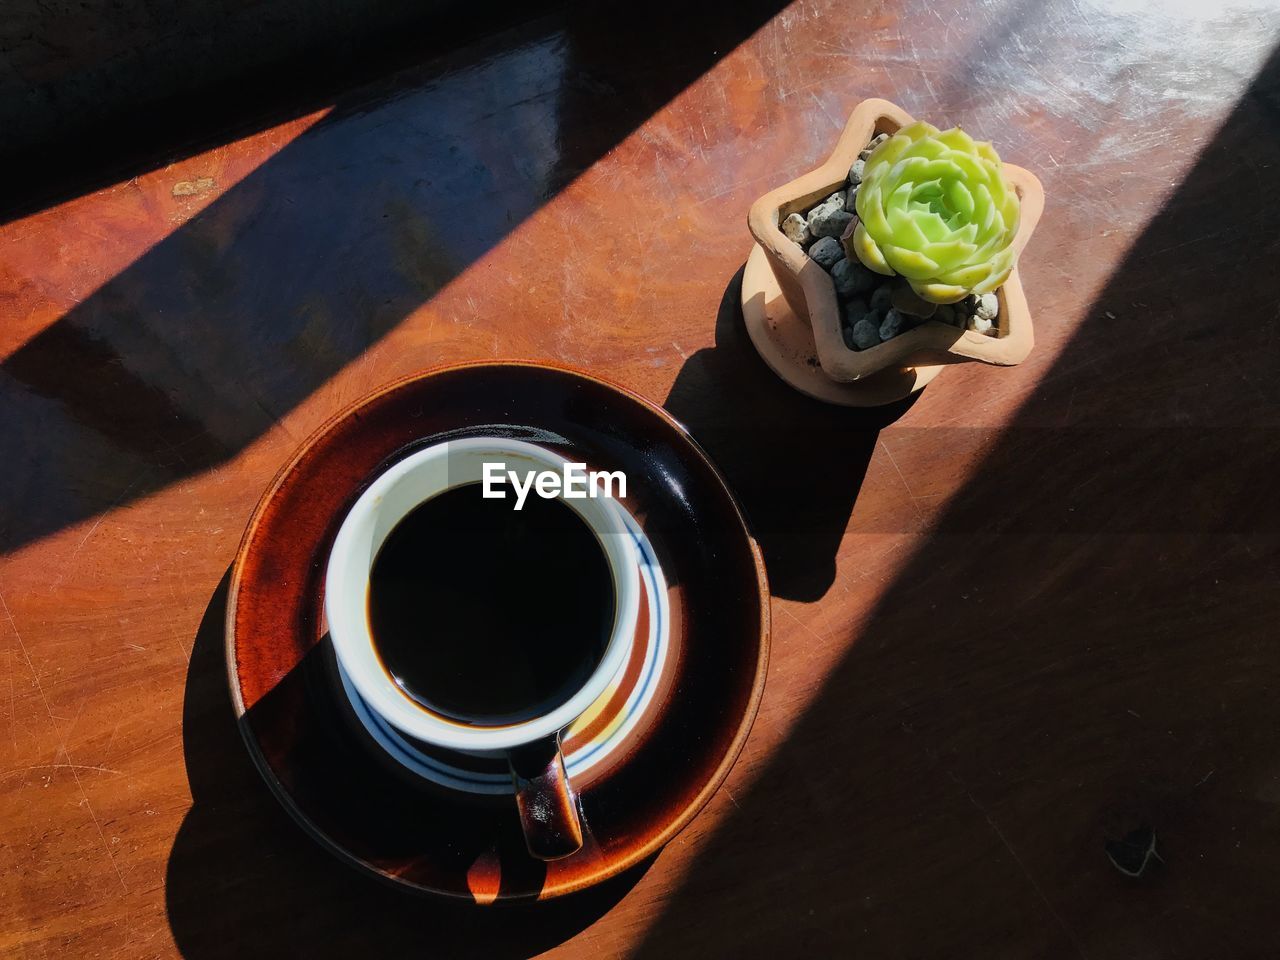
(935, 208)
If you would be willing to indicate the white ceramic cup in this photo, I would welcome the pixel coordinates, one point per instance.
(544, 797)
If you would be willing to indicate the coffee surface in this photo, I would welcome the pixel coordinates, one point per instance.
(488, 615)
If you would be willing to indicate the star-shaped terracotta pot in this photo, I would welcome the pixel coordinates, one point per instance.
(793, 317)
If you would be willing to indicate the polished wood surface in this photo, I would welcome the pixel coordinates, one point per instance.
(1015, 620)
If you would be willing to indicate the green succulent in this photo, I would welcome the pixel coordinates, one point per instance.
(935, 208)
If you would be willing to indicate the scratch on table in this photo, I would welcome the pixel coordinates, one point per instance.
(914, 499)
(1201, 238)
(739, 185)
(13, 716)
(825, 112)
(66, 733)
(804, 626)
(112, 739)
(273, 418)
(89, 806)
(62, 748)
(921, 71)
(65, 566)
(26, 656)
(60, 766)
(946, 27)
(995, 828)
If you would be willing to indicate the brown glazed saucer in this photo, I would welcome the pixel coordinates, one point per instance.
(368, 809)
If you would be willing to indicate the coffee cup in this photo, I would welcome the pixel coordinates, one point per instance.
(474, 619)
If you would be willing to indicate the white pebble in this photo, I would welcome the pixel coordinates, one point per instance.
(988, 307)
(796, 229)
(875, 142)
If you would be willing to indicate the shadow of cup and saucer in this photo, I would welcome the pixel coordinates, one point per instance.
(243, 880)
(232, 858)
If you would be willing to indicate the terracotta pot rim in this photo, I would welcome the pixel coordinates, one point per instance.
(931, 342)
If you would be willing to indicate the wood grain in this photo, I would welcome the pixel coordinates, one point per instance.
(1014, 620)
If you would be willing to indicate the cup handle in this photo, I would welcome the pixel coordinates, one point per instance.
(546, 801)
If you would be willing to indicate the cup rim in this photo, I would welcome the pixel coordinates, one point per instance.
(346, 593)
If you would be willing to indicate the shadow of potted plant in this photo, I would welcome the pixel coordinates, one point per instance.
(894, 258)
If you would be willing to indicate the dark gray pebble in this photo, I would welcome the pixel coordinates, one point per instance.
(852, 311)
(852, 278)
(829, 219)
(894, 323)
(856, 171)
(866, 332)
(826, 252)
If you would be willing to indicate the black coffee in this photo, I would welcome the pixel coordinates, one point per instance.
(490, 615)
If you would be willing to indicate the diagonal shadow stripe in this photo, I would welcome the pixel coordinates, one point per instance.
(97, 98)
(1082, 646)
(199, 346)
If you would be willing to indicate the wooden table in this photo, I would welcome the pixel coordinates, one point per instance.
(1020, 618)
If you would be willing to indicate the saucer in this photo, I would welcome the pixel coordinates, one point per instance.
(662, 745)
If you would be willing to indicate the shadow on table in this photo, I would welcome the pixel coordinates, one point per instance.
(220, 329)
(90, 106)
(244, 880)
(795, 465)
(1082, 648)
